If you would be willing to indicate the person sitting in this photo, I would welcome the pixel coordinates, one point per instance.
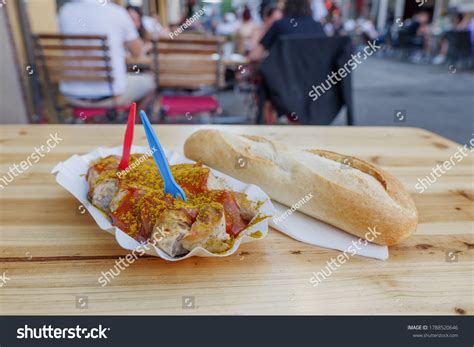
(270, 13)
(470, 27)
(297, 19)
(190, 11)
(458, 24)
(417, 27)
(114, 22)
(335, 27)
(245, 32)
(368, 30)
(229, 25)
(418, 31)
(154, 27)
(136, 14)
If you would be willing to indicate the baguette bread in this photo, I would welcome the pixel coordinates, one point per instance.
(347, 192)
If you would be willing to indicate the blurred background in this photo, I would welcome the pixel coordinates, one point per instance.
(240, 62)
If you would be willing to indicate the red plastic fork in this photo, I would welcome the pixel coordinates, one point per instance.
(128, 139)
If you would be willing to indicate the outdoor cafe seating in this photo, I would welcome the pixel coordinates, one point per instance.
(191, 74)
(76, 58)
(188, 73)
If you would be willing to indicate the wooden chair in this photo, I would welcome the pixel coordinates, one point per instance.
(75, 58)
(185, 64)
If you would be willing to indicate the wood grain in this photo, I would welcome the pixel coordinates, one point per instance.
(51, 252)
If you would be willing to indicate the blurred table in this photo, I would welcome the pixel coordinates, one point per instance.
(147, 61)
(146, 64)
(235, 60)
(52, 252)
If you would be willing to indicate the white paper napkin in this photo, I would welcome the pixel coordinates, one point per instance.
(309, 230)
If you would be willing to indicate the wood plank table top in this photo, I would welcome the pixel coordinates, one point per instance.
(147, 60)
(51, 254)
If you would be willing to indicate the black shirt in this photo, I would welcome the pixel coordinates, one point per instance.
(412, 28)
(289, 26)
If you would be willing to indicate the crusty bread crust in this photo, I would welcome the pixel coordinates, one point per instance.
(348, 193)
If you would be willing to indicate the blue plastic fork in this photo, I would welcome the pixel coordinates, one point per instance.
(170, 185)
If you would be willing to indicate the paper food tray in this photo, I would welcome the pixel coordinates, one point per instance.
(71, 175)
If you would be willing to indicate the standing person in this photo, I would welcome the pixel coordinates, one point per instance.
(89, 17)
(297, 19)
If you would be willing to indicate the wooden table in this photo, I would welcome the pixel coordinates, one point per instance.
(52, 254)
(146, 64)
(147, 61)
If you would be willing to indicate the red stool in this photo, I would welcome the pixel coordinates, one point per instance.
(188, 104)
(84, 113)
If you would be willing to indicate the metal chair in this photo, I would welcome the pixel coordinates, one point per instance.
(76, 58)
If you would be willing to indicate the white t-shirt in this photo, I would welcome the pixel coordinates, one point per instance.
(91, 17)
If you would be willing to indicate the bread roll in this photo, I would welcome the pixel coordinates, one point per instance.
(347, 192)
